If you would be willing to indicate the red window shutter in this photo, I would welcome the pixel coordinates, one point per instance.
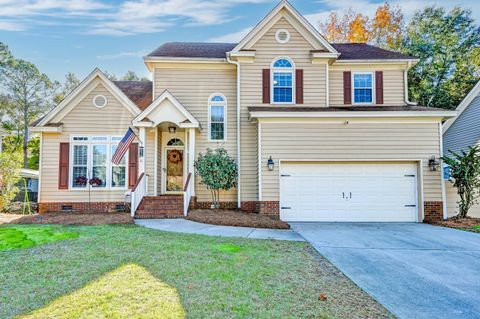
(347, 87)
(132, 165)
(379, 87)
(63, 165)
(299, 86)
(266, 85)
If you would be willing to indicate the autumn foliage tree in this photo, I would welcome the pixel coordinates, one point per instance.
(384, 29)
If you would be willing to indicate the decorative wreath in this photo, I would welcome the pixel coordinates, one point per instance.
(174, 156)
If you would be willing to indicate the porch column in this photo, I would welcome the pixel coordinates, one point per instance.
(143, 141)
(191, 157)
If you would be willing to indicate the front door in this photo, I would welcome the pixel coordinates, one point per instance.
(174, 159)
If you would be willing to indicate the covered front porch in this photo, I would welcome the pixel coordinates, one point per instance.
(165, 184)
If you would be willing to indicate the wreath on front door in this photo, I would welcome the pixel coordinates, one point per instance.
(174, 156)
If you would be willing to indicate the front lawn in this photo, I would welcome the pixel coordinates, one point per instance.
(126, 271)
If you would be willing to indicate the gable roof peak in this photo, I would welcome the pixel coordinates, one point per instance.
(264, 25)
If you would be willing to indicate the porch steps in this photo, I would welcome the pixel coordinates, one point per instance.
(164, 206)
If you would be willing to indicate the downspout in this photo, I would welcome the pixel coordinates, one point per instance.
(444, 192)
(239, 198)
(405, 83)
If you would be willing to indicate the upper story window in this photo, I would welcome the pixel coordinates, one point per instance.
(282, 81)
(91, 159)
(362, 88)
(217, 114)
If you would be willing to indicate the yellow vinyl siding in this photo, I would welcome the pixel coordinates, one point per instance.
(393, 85)
(266, 50)
(356, 141)
(85, 119)
(192, 86)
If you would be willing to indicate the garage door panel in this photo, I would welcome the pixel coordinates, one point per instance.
(348, 192)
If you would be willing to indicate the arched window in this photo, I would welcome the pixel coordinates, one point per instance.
(217, 117)
(282, 81)
(175, 142)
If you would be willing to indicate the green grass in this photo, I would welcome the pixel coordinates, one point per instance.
(134, 272)
(476, 227)
(28, 236)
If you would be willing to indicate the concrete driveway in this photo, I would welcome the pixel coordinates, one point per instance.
(414, 270)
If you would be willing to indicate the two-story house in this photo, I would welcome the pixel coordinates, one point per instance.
(320, 131)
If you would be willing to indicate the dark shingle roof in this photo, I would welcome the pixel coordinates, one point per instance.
(406, 108)
(363, 51)
(140, 92)
(349, 51)
(193, 50)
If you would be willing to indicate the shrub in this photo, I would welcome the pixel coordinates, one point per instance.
(9, 176)
(218, 171)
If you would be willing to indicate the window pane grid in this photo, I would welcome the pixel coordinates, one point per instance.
(91, 159)
(283, 87)
(363, 88)
(217, 118)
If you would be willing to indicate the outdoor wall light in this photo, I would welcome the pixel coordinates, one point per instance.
(172, 129)
(270, 164)
(142, 151)
(433, 164)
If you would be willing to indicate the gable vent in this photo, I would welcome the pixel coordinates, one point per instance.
(282, 36)
(100, 101)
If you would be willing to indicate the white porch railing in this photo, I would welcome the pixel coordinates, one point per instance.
(138, 193)
(187, 194)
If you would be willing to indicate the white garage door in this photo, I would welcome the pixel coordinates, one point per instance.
(348, 192)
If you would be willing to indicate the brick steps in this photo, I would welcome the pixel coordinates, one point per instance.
(165, 206)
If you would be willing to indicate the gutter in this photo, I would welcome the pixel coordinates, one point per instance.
(405, 82)
(238, 130)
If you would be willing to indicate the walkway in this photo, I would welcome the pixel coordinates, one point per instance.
(190, 227)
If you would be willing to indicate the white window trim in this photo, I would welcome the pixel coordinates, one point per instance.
(225, 106)
(278, 39)
(89, 143)
(353, 88)
(284, 70)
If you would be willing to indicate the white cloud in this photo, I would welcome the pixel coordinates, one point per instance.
(125, 18)
(122, 55)
(232, 37)
(11, 26)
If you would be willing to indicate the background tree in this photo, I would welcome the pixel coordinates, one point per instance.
(132, 76)
(387, 27)
(9, 177)
(29, 94)
(218, 171)
(384, 29)
(447, 44)
(465, 171)
(71, 82)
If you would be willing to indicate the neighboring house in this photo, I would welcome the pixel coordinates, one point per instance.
(458, 135)
(332, 120)
(29, 183)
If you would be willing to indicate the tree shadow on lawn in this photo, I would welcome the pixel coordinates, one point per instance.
(129, 291)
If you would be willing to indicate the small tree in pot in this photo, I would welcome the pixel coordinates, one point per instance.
(218, 171)
(465, 171)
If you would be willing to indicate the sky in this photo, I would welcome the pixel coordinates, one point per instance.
(62, 36)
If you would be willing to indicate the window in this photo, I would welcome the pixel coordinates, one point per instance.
(217, 117)
(363, 88)
(175, 142)
(92, 159)
(282, 81)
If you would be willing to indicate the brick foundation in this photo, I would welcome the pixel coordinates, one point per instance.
(223, 205)
(270, 208)
(433, 212)
(97, 207)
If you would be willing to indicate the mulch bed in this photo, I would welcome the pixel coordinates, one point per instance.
(235, 218)
(74, 219)
(463, 223)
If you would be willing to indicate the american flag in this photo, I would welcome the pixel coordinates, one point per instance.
(123, 146)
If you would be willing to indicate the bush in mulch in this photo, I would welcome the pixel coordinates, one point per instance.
(75, 219)
(469, 223)
(235, 218)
